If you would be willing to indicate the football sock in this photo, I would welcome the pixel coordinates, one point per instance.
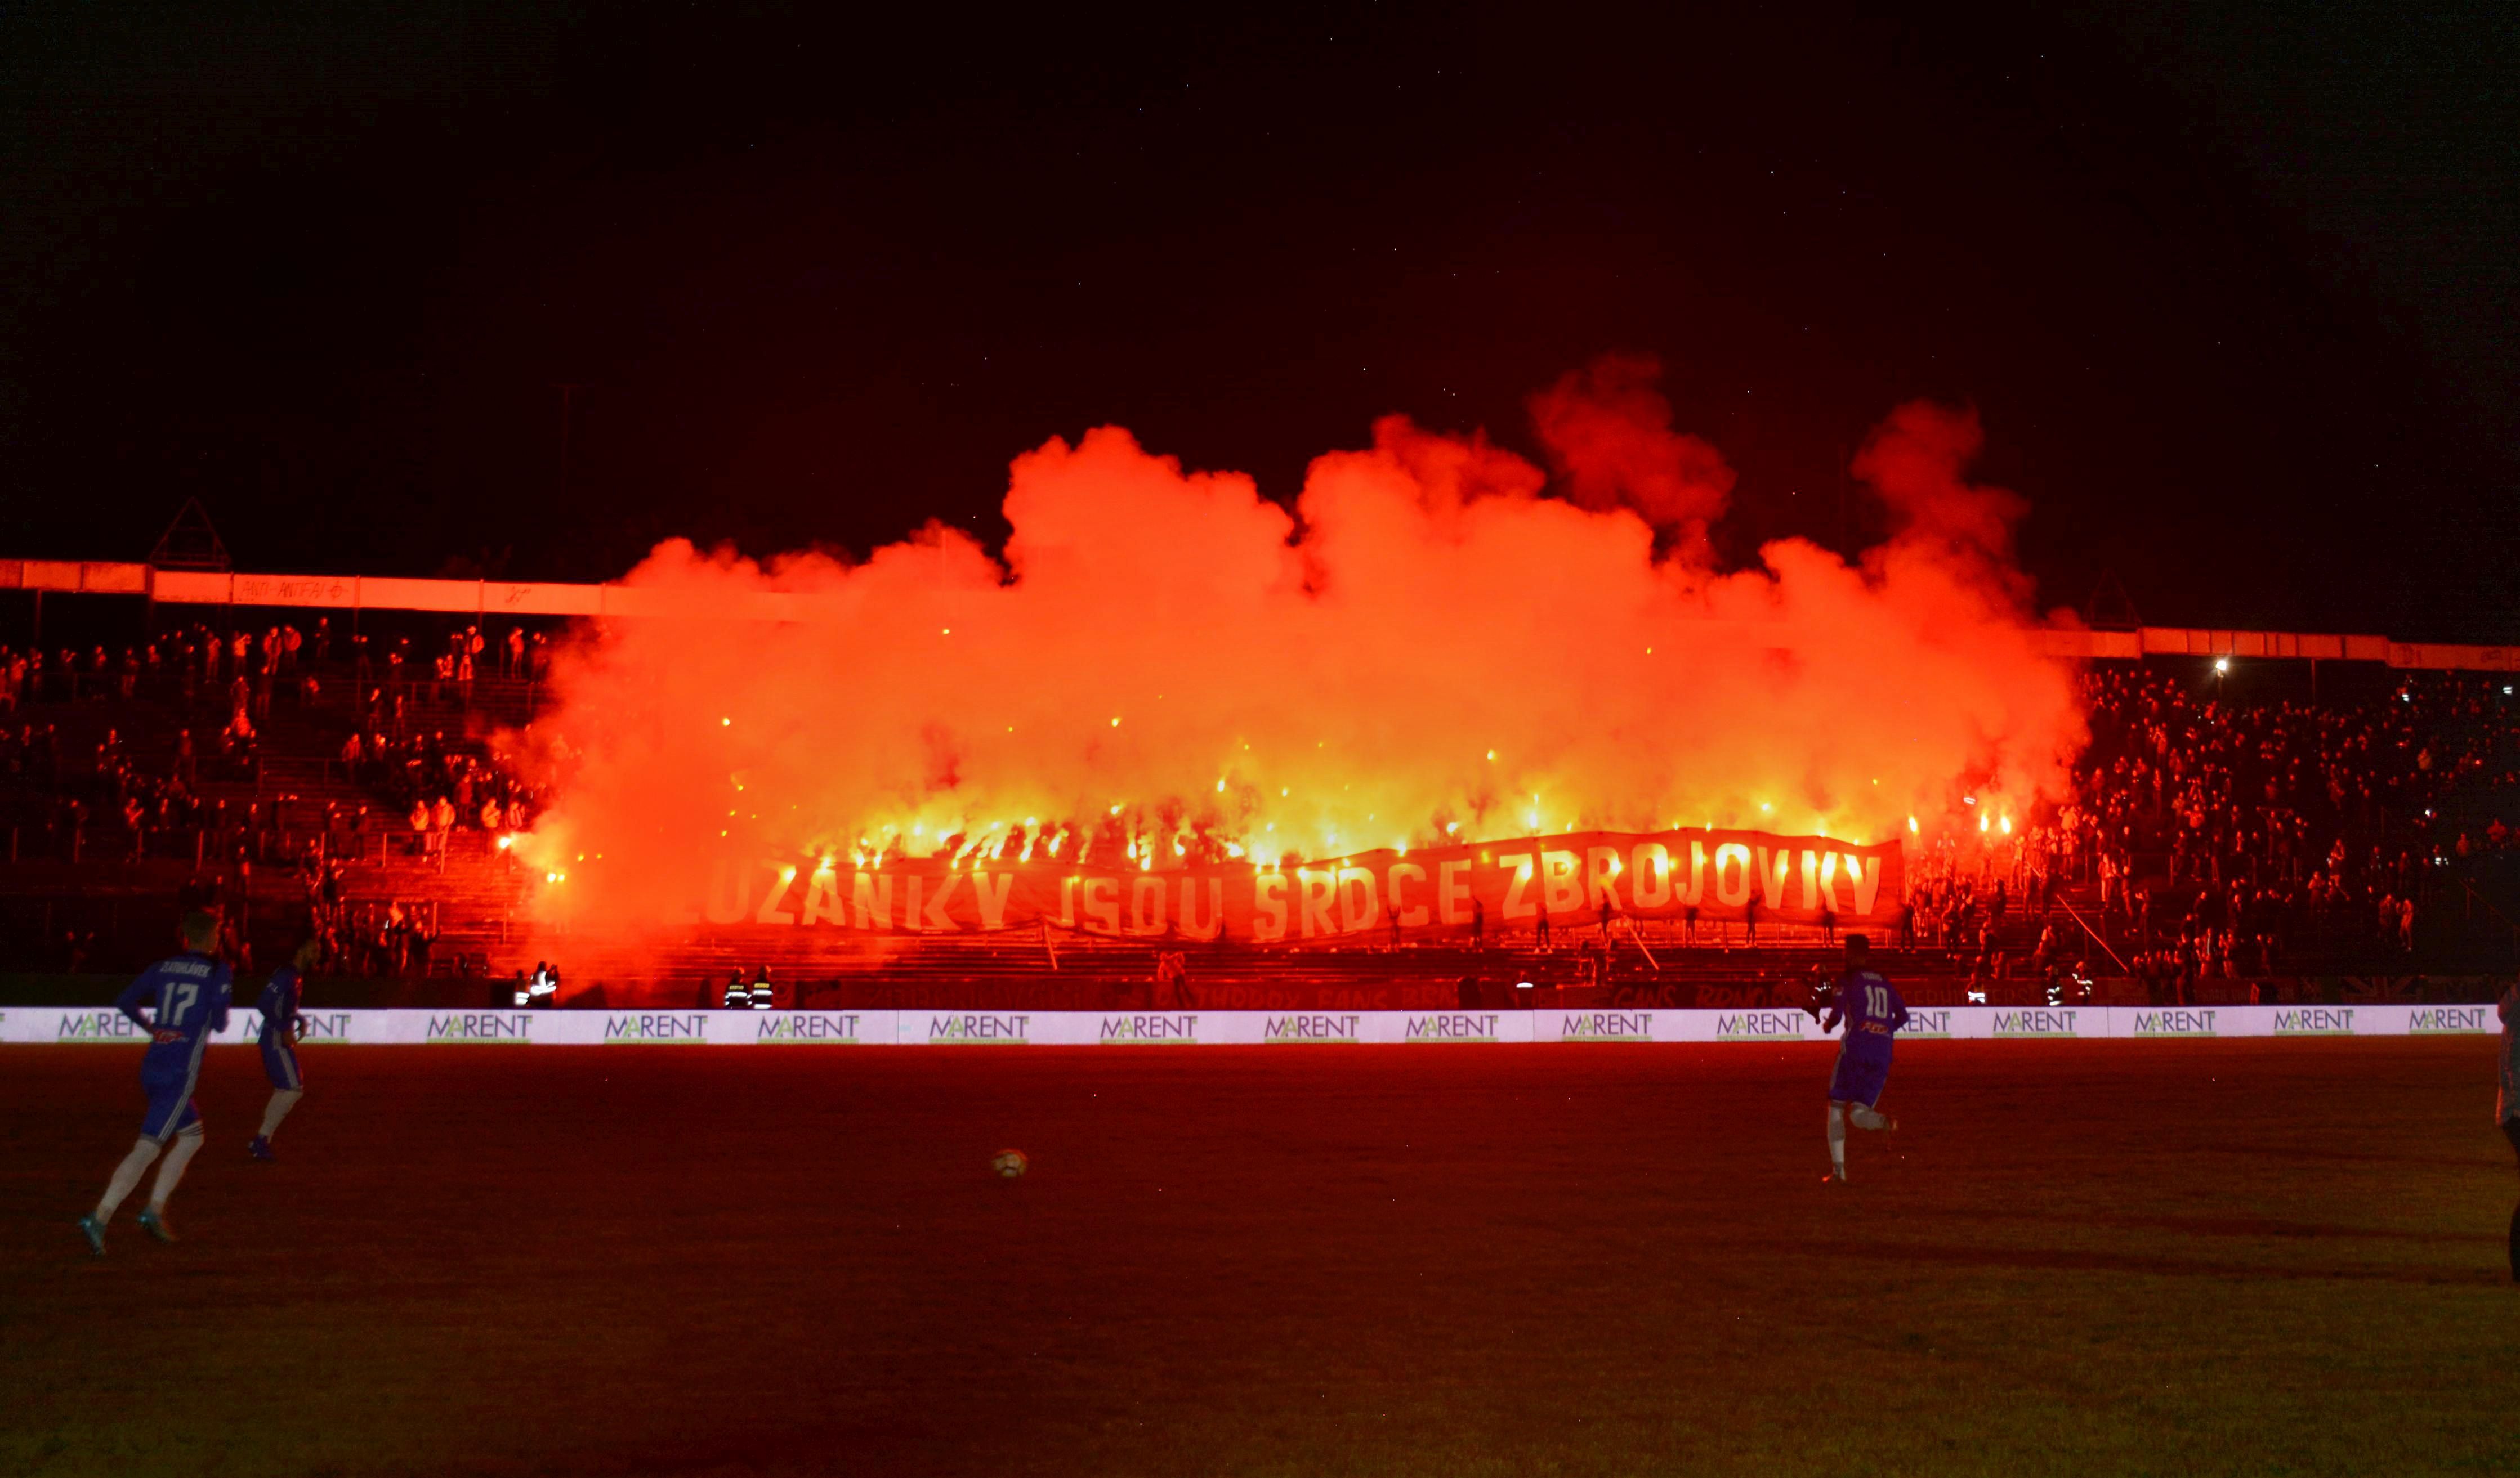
(1866, 1116)
(172, 1170)
(282, 1101)
(126, 1176)
(1837, 1137)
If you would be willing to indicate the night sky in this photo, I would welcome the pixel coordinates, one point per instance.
(2234, 287)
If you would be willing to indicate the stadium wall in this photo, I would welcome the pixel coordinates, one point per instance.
(67, 1025)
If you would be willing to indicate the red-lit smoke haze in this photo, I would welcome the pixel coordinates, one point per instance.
(1429, 644)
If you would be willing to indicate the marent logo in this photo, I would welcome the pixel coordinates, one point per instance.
(2175, 1023)
(1927, 1021)
(2316, 1021)
(2451, 1018)
(1150, 1029)
(2037, 1023)
(979, 1026)
(656, 1026)
(1311, 1028)
(482, 1026)
(1453, 1026)
(325, 1026)
(1607, 1026)
(1760, 1026)
(833, 1028)
(97, 1026)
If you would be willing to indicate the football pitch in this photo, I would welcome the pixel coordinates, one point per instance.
(2241, 1256)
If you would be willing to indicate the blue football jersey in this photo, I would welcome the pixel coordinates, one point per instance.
(1872, 1008)
(188, 997)
(278, 1006)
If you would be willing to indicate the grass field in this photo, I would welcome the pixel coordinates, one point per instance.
(2192, 1257)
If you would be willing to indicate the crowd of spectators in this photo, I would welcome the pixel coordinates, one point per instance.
(193, 665)
(2217, 840)
(2224, 839)
(438, 787)
(154, 751)
(248, 670)
(109, 792)
(2202, 839)
(2292, 821)
(1959, 898)
(223, 686)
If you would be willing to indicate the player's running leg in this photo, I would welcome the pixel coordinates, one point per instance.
(170, 1113)
(174, 1124)
(1866, 1116)
(153, 1217)
(1854, 1086)
(127, 1175)
(283, 1099)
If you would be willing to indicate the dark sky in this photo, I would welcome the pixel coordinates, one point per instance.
(2234, 287)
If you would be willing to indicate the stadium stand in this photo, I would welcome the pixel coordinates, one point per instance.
(2209, 851)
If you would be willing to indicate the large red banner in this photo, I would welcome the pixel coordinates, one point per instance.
(1500, 885)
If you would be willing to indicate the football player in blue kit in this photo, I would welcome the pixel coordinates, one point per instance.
(1872, 1011)
(278, 1039)
(187, 996)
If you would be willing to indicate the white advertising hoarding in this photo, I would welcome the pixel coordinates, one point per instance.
(105, 1026)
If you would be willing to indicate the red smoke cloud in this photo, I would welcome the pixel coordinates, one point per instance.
(1168, 667)
(1609, 437)
(1913, 462)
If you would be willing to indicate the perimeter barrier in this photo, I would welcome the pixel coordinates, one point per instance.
(1188, 1029)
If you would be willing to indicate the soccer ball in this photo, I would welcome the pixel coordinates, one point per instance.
(1009, 1163)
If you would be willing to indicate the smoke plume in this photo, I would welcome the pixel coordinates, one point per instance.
(1437, 642)
(1609, 437)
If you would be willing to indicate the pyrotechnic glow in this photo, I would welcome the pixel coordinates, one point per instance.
(1424, 589)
